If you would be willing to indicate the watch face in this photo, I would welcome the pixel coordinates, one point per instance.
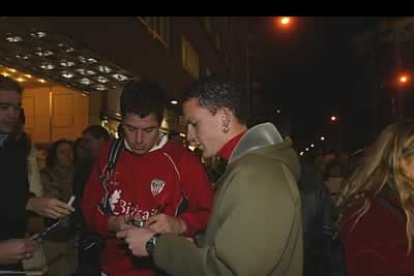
(150, 245)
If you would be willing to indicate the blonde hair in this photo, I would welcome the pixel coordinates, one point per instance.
(380, 166)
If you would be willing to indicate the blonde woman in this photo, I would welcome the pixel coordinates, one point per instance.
(377, 203)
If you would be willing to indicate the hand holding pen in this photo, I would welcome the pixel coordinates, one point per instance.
(50, 207)
(39, 236)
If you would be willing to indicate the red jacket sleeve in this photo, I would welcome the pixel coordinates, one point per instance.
(96, 220)
(199, 192)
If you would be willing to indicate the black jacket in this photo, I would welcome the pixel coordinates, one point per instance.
(316, 221)
(14, 189)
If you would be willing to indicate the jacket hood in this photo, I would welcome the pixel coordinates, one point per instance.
(265, 139)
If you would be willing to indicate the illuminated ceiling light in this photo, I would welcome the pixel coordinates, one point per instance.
(82, 59)
(104, 69)
(119, 77)
(85, 81)
(100, 87)
(102, 79)
(66, 63)
(48, 53)
(12, 70)
(39, 51)
(92, 60)
(5, 74)
(67, 74)
(44, 54)
(312, 145)
(41, 80)
(322, 138)
(278, 111)
(22, 56)
(47, 66)
(84, 72)
(174, 102)
(81, 71)
(70, 50)
(14, 39)
(39, 34)
(90, 73)
(28, 76)
(301, 153)
(20, 79)
(307, 149)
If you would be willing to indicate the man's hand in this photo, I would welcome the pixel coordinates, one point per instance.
(136, 238)
(116, 223)
(163, 223)
(49, 207)
(14, 250)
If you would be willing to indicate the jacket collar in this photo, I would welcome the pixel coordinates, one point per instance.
(163, 139)
(259, 136)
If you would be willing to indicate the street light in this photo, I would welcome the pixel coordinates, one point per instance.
(404, 78)
(285, 20)
(334, 118)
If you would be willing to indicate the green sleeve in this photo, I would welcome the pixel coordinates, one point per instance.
(257, 228)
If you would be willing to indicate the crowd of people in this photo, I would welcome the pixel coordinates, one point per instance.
(145, 204)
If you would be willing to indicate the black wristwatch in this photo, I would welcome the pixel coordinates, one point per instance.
(150, 245)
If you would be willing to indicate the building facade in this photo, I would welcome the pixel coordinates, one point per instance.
(85, 61)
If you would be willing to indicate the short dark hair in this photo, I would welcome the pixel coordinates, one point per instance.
(98, 132)
(143, 98)
(217, 92)
(7, 84)
(51, 158)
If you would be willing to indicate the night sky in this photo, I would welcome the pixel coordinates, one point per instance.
(308, 71)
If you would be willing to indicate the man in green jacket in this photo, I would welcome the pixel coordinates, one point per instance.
(255, 227)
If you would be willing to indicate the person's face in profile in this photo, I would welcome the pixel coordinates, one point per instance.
(204, 128)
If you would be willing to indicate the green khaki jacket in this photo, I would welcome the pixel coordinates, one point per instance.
(255, 226)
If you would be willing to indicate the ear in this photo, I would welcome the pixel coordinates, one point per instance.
(225, 116)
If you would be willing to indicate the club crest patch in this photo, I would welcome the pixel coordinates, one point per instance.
(157, 186)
